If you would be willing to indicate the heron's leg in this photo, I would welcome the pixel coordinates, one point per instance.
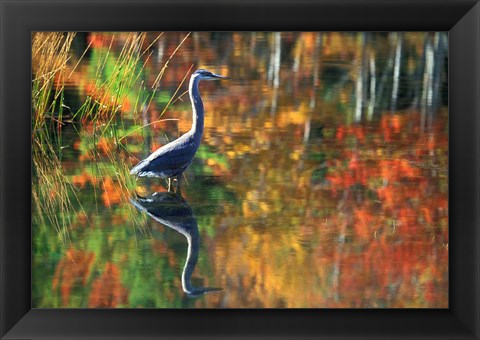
(169, 181)
(179, 181)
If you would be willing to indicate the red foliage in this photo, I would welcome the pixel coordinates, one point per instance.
(403, 232)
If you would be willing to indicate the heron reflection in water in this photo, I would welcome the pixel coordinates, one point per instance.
(174, 212)
(172, 159)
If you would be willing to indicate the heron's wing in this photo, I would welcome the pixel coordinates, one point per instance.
(170, 159)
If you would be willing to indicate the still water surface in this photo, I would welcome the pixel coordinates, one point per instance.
(321, 181)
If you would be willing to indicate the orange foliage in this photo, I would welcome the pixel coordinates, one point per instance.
(107, 290)
(83, 178)
(104, 145)
(72, 271)
(112, 192)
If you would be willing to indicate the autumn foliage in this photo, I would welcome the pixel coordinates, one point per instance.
(298, 206)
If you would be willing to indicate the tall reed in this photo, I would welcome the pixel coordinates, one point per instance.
(116, 80)
(50, 188)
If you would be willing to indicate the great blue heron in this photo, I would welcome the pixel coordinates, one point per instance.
(172, 159)
(174, 212)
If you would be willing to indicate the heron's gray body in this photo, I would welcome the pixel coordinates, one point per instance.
(172, 159)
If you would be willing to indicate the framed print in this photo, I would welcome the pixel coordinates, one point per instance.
(251, 170)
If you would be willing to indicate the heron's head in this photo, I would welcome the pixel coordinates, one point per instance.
(202, 74)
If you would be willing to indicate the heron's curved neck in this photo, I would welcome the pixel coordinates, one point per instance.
(190, 262)
(197, 109)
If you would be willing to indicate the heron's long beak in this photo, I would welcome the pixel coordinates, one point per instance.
(217, 76)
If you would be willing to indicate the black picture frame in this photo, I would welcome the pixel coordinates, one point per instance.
(461, 19)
